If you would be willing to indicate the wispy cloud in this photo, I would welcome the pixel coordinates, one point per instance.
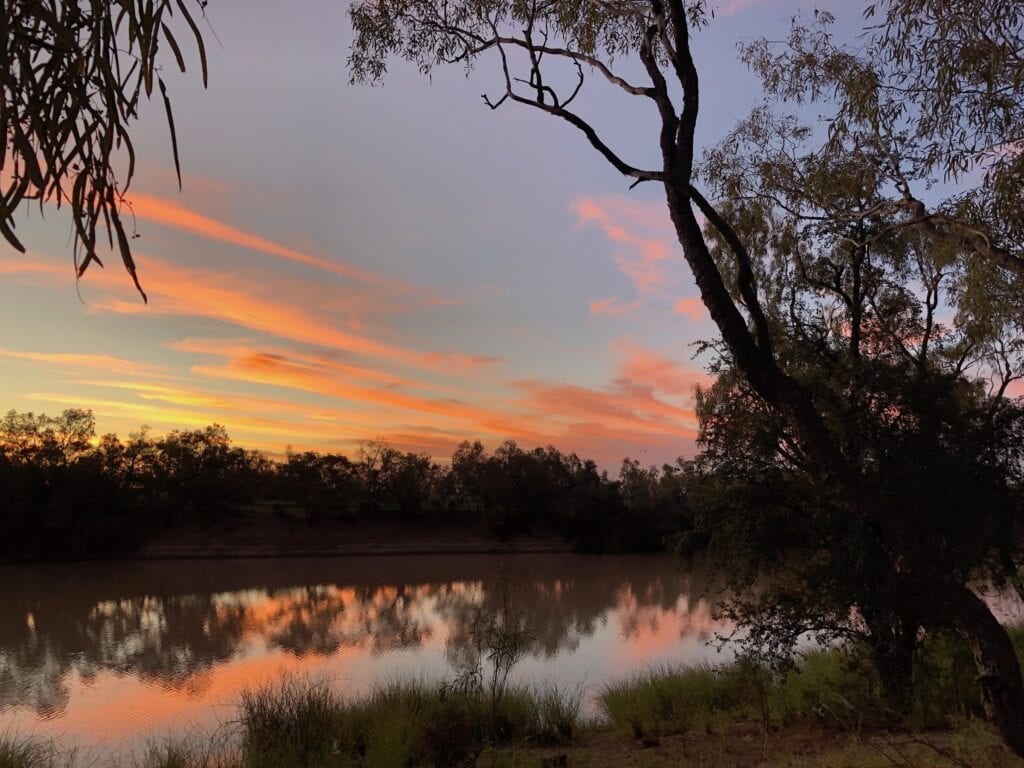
(275, 354)
(647, 253)
(642, 366)
(80, 361)
(281, 307)
(28, 267)
(614, 306)
(175, 216)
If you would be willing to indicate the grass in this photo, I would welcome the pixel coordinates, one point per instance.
(22, 752)
(836, 688)
(826, 712)
(399, 723)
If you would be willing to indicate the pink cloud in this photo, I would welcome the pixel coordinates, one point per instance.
(692, 308)
(643, 367)
(646, 257)
(614, 306)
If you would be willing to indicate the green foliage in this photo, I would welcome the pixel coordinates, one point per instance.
(67, 497)
(664, 701)
(420, 33)
(196, 752)
(411, 722)
(837, 688)
(938, 455)
(900, 319)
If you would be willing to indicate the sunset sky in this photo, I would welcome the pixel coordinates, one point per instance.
(348, 263)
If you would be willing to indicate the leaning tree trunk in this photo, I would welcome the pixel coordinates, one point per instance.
(954, 605)
(752, 351)
(999, 672)
(892, 641)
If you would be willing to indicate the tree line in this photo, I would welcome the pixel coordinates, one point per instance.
(863, 271)
(70, 494)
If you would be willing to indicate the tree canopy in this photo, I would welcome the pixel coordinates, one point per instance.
(863, 272)
(69, 494)
(866, 322)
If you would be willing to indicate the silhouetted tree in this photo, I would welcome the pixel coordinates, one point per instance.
(73, 74)
(325, 485)
(530, 40)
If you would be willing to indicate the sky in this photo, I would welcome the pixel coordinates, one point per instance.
(398, 263)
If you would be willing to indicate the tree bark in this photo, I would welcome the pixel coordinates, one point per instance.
(954, 604)
(892, 641)
(999, 673)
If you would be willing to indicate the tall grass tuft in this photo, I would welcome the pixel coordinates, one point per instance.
(399, 723)
(198, 751)
(24, 752)
(665, 701)
(292, 723)
(557, 715)
(836, 687)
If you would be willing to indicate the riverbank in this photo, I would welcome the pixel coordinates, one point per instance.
(969, 744)
(268, 535)
(828, 711)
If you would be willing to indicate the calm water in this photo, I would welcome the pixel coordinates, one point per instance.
(111, 653)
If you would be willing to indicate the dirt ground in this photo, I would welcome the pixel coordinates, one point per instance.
(746, 746)
(267, 532)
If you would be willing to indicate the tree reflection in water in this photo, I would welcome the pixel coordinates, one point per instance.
(174, 624)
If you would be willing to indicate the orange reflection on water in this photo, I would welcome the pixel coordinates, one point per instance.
(119, 653)
(650, 630)
(114, 708)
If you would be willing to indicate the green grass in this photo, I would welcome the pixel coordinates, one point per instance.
(666, 701)
(291, 723)
(837, 688)
(399, 723)
(308, 724)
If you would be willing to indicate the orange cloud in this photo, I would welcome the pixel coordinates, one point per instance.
(614, 306)
(624, 407)
(337, 387)
(25, 267)
(321, 428)
(554, 413)
(169, 214)
(76, 360)
(286, 373)
(693, 308)
(642, 367)
(240, 300)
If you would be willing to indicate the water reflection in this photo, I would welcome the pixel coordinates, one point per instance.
(178, 626)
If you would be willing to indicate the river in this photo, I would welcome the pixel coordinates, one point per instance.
(110, 655)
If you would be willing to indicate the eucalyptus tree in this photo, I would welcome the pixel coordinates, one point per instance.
(73, 75)
(531, 39)
(905, 317)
